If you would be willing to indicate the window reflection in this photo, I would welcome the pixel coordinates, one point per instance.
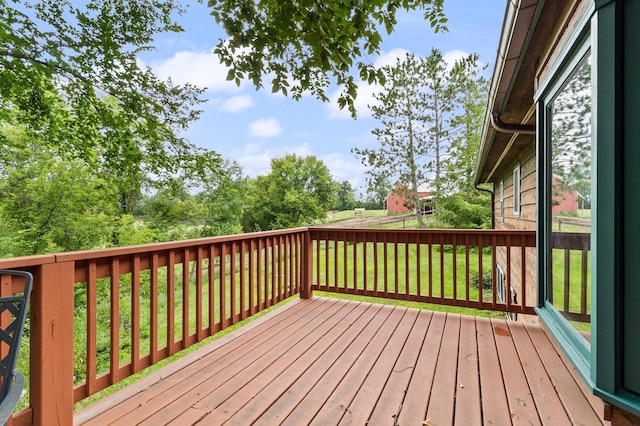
(569, 284)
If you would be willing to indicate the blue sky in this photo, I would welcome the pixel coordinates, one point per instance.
(252, 127)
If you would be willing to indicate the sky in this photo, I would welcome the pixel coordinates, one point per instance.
(251, 127)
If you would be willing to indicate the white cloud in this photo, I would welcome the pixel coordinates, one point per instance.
(265, 128)
(237, 103)
(345, 168)
(390, 58)
(362, 102)
(202, 69)
(256, 159)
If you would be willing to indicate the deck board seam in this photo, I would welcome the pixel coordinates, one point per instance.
(154, 378)
(275, 351)
(226, 360)
(381, 315)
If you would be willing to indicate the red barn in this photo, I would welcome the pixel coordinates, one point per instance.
(398, 203)
(564, 201)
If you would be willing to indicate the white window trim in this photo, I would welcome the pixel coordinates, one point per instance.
(501, 290)
(516, 191)
(501, 200)
(500, 285)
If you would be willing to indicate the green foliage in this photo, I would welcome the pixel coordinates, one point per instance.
(84, 131)
(69, 75)
(296, 191)
(173, 205)
(130, 232)
(52, 204)
(487, 278)
(222, 201)
(346, 197)
(466, 210)
(304, 44)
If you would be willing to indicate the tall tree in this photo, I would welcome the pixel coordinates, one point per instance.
(346, 197)
(296, 191)
(466, 126)
(414, 110)
(441, 94)
(223, 201)
(305, 44)
(571, 134)
(461, 204)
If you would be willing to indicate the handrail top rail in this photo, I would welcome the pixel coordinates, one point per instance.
(518, 232)
(30, 261)
(170, 245)
(27, 261)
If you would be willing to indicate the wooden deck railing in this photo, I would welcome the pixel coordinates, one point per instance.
(445, 267)
(97, 317)
(571, 293)
(125, 309)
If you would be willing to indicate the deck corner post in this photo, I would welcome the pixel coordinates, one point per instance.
(52, 316)
(307, 266)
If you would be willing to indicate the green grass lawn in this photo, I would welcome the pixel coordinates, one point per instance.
(401, 271)
(350, 214)
(575, 284)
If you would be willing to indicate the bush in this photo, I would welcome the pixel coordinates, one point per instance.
(486, 280)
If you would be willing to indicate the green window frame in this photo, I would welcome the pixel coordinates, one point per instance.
(609, 364)
(573, 56)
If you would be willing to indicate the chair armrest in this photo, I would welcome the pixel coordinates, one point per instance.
(9, 403)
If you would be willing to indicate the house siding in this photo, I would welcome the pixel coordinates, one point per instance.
(526, 220)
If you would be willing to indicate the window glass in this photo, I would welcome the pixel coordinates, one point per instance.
(569, 199)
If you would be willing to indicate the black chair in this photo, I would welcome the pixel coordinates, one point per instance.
(13, 313)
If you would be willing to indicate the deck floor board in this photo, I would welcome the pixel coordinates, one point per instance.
(468, 411)
(442, 400)
(495, 409)
(326, 361)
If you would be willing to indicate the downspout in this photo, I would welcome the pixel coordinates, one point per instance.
(493, 212)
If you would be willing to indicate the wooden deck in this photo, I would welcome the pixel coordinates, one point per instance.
(328, 361)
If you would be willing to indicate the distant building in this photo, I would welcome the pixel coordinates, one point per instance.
(397, 201)
(564, 201)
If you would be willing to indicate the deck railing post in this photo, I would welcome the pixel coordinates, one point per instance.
(307, 266)
(51, 374)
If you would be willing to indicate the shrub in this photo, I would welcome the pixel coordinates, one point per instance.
(486, 280)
